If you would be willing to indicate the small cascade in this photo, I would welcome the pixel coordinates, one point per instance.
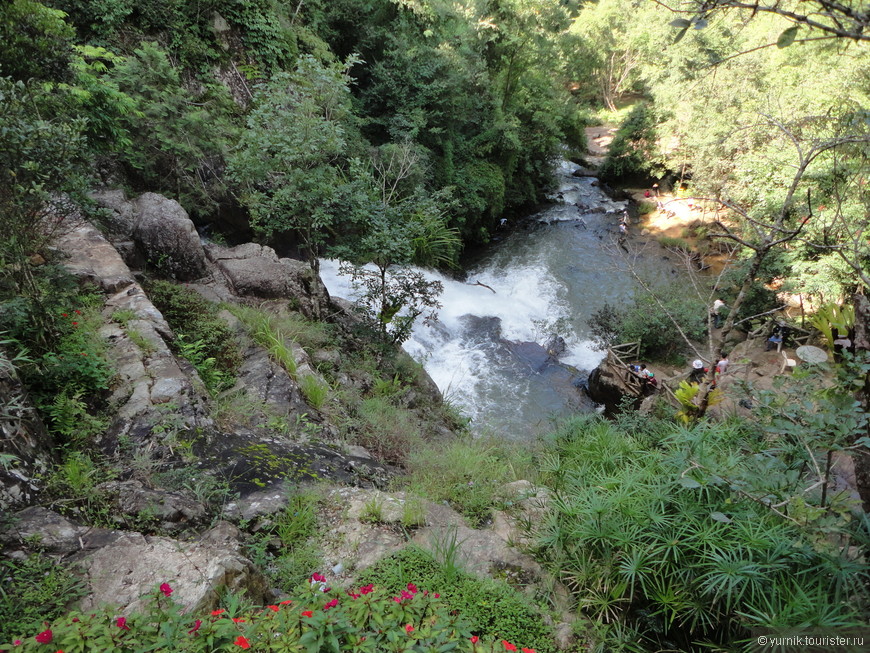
(546, 276)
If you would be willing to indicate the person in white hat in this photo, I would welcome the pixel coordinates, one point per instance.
(697, 372)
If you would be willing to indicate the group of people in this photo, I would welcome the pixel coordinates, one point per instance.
(646, 375)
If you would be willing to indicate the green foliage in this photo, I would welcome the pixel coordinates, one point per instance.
(33, 590)
(694, 535)
(316, 391)
(632, 150)
(215, 379)
(489, 606)
(647, 321)
(285, 547)
(35, 42)
(388, 432)
(468, 473)
(41, 150)
(365, 621)
(674, 243)
(72, 419)
(176, 139)
(291, 159)
(200, 330)
(833, 316)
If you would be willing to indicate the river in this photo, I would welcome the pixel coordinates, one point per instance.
(547, 275)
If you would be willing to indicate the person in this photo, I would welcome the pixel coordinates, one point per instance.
(656, 189)
(697, 372)
(716, 313)
(776, 338)
(722, 365)
(646, 193)
(623, 229)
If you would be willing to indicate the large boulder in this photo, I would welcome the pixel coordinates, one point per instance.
(168, 238)
(256, 271)
(131, 568)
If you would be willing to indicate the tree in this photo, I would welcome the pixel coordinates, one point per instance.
(845, 19)
(41, 154)
(292, 160)
(405, 226)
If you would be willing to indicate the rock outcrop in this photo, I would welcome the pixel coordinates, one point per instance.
(129, 570)
(253, 270)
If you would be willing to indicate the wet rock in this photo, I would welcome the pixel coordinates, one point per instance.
(223, 534)
(119, 218)
(555, 345)
(168, 238)
(128, 571)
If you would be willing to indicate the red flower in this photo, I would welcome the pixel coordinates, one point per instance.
(308, 613)
(165, 586)
(288, 602)
(64, 314)
(75, 323)
(236, 620)
(330, 605)
(241, 641)
(78, 312)
(315, 577)
(273, 608)
(508, 646)
(353, 595)
(196, 625)
(45, 636)
(17, 642)
(412, 588)
(437, 596)
(407, 595)
(409, 629)
(475, 639)
(122, 623)
(215, 613)
(529, 650)
(367, 589)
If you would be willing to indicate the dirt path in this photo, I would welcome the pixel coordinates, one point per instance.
(598, 140)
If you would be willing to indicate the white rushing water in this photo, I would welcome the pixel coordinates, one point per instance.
(552, 271)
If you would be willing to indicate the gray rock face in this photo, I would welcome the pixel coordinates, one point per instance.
(173, 510)
(134, 566)
(94, 259)
(56, 534)
(168, 237)
(119, 216)
(256, 271)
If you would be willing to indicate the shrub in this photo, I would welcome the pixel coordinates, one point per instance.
(32, 591)
(315, 391)
(315, 618)
(672, 533)
(674, 243)
(195, 319)
(487, 605)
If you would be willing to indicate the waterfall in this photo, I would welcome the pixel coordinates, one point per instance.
(485, 352)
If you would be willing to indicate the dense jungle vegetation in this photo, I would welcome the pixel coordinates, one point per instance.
(401, 131)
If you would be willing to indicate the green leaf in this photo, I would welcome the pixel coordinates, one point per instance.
(722, 517)
(680, 35)
(690, 483)
(787, 37)
(680, 22)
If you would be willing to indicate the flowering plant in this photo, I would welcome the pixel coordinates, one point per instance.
(364, 619)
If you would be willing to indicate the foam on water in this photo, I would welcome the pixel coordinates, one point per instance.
(535, 279)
